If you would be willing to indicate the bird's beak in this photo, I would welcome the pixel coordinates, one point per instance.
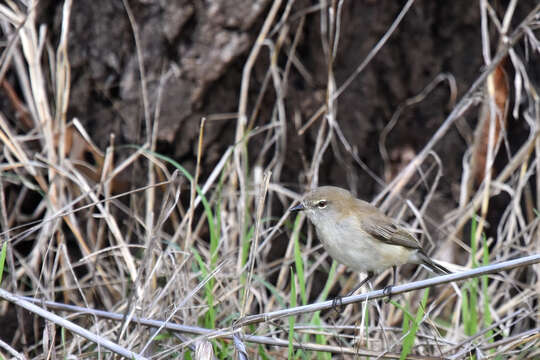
(298, 207)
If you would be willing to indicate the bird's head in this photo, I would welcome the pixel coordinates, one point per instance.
(325, 203)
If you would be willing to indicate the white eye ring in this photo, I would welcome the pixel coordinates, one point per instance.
(322, 204)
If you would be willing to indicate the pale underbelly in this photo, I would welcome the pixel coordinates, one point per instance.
(363, 253)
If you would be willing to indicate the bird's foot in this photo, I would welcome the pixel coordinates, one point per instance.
(337, 304)
(387, 291)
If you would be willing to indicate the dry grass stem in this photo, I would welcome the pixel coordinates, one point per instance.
(150, 256)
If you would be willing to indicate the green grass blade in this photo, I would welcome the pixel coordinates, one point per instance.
(488, 320)
(298, 262)
(206, 204)
(319, 338)
(292, 318)
(408, 342)
(210, 315)
(262, 353)
(473, 287)
(328, 286)
(407, 317)
(3, 259)
(316, 319)
(465, 314)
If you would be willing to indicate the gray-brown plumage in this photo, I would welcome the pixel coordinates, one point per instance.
(357, 234)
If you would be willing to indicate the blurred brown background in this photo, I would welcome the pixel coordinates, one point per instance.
(202, 47)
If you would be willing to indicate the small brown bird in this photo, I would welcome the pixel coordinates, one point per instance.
(357, 234)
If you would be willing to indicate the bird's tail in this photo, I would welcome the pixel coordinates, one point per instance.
(432, 265)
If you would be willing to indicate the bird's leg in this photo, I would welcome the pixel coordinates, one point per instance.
(370, 274)
(387, 288)
(338, 300)
(337, 303)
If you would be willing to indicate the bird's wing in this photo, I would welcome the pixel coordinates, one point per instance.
(388, 232)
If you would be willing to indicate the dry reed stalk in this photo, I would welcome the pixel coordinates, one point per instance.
(140, 259)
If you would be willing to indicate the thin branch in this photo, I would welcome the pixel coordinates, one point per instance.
(209, 333)
(18, 301)
(395, 290)
(253, 319)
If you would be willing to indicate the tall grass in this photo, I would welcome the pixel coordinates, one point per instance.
(204, 248)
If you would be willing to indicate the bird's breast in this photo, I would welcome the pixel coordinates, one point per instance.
(347, 243)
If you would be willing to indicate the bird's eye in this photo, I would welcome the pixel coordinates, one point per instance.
(322, 204)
